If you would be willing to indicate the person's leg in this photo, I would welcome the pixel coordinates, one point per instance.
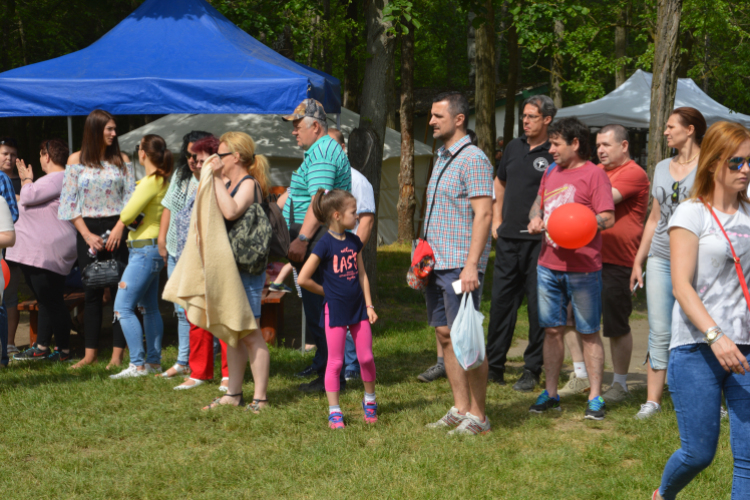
(224, 362)
(336, 338)
(201, 354)
(660, 302)
(260, 364)
(616, 308)
(118, 337)
(237, 361)
(621, 349)
(3, 336)
(554, 355)
(351, 363)
(183, 327)
(54, 319)
(11, 303)
(593, 356)
(695, 383)
(37, 284)
(737, 393)
(133, 285)
(361, 334)
(93, 298)
(507, 295)
(585, 293)
(313, 306)
(149, 307)
(533, 355)
(553, 306)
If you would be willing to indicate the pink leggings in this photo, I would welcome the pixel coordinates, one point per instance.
(336, 338)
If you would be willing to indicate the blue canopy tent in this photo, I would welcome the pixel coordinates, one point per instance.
(169, 56)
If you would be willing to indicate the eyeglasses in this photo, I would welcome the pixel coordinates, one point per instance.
(531, 117)
(222, 155)
(675, 193)
(737, 162)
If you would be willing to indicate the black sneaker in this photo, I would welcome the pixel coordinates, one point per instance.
(307, 372)
(58, 356)
(497, 378)
(527, 382)
(31, 354)
(433, 373)
(595, 409)
(351, 375)
(544, 402)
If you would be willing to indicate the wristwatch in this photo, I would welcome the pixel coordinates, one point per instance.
(713, 334)
(302, 238)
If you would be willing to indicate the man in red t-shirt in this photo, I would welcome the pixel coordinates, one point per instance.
(571, 276)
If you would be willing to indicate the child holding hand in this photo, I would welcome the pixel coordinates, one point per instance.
(347, 295)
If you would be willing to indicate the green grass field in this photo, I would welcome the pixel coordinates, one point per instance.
(81, 435)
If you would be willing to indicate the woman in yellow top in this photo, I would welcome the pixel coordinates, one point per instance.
(140, 281)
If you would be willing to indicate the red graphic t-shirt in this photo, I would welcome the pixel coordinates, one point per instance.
(589, 186)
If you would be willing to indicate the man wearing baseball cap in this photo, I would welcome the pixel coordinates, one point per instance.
(325, 166)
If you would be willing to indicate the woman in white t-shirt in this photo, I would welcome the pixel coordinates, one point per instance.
(7, 239)
(711, 320)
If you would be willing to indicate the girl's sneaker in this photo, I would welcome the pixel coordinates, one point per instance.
(336, 420)
(371, 412)
(279, 287)
(33, 353)
(59, 356)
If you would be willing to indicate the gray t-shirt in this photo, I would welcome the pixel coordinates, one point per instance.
(715, 280)
(662, 189)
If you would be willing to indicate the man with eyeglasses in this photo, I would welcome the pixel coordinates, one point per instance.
(325, 166)
(524, 162)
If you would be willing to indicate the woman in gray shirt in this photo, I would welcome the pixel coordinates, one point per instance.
(672, 183)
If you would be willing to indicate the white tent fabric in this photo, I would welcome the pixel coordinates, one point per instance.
(273, 138)
(630, 104)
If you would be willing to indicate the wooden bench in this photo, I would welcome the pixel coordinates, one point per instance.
(73, 300)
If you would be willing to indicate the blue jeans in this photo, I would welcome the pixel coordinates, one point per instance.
(660, 303)
(4, 334)
(556, 289)
(696, 381)
(183, 327)
(351, 363)
(254, 284)
(139, 286)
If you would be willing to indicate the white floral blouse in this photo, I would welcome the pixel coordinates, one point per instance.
(95, 192)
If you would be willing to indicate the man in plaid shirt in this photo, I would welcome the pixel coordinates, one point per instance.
(458, 230)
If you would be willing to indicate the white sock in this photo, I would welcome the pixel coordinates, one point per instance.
(654, 403)
(369, 398)
(580, 370)
(334, 409)
(621, 379)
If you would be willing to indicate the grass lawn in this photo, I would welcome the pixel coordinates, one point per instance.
(81, 435)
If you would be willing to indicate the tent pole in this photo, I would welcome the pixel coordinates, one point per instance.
(70, 134)
(338, 121)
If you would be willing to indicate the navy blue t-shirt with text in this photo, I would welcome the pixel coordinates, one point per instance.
(343, 295)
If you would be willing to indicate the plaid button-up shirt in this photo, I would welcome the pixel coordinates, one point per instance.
(450, 221)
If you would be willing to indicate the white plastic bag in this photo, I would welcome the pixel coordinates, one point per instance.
(467, 335)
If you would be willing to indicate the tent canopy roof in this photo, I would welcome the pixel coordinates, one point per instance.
(169, 56)
(630, 104)
(273, 137)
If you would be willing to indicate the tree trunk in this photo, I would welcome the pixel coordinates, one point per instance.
(499, 42)
(407, 202)
(366, 141)
(621, 45)
(391, 99)
(510, 93)
(664, 84)
(351, 73)
(485, 83)
(557, 66)
(327, 57)
(471, 48)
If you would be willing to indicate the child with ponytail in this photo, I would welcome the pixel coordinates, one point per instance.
(347, 295)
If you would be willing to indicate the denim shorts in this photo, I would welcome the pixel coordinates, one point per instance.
(558, 288)
(442, 301)
(254, 284)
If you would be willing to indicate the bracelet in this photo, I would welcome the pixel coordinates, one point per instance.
(716, 339)
(371, 307)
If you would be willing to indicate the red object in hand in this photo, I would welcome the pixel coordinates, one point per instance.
(572, 226)
(6, 273)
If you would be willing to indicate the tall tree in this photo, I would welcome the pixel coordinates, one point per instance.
(621, 44)
(366, 141)
(556, 63)
(351, 71)
(514, 67)
(485, 80)
(407, 202)
(664, 83)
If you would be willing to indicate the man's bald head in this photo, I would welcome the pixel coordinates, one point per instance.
(337, 136)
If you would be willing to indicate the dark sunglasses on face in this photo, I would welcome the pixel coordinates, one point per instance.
(675, 193)
(192, 157)
(222, 155)
(736, 163)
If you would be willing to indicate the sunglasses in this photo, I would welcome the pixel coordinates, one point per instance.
(675, 193)
(737, 162)
(192, 157)
(222, 155)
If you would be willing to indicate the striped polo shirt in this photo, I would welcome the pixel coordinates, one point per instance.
(325, 166)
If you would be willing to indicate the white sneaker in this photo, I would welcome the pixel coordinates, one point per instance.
(150, 369)
(575, 386)
(131, 371)
(648, 410)
(451, 419)
(471, 426)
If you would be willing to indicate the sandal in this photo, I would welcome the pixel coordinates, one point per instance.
(196, 383)
(178, 370)
(255, 406)
(217, 402)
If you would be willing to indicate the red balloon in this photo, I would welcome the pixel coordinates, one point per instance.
(6, 273)
(572, 225)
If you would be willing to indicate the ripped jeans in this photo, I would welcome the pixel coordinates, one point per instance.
(140, 287)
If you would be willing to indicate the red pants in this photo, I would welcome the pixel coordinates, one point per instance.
(202, 354)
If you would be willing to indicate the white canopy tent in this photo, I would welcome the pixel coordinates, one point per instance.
(273, 138)
(629, 105)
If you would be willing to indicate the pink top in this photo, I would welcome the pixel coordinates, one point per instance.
(43, 240)
(589, 186)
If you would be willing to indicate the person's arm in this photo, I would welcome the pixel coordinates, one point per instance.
(616, 195)
(231, 208)
(480, 232)
(161, 241)
(364, 282)
(7, 239)
(683, 246)
(364, 230)
(536, 222)
(605, 220)
(636, 274)
(321, 175)
(497, 206)
(148, 188)
(7, 192)
(304, 279)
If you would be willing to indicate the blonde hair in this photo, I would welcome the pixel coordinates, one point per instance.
(256, 165)
(720, 142)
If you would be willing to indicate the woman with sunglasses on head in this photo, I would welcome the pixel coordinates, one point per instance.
(673, 180)
(182, 188)
(710, 257)
(98, 183)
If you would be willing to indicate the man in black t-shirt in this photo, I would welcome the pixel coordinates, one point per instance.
(524, 162)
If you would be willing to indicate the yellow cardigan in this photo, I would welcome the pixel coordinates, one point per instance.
(146, 198)
(206, 281)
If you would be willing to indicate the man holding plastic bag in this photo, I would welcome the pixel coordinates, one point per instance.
(459, 201)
